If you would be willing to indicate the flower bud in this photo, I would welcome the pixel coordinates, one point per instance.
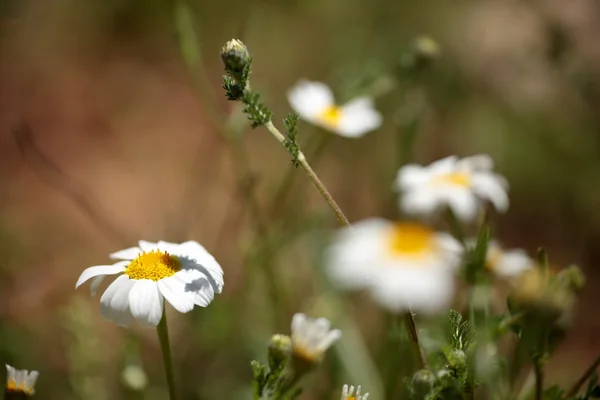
(421, 383)
(134, 377)
(280, 350)
(236, 58)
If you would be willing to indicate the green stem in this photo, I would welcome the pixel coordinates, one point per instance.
(539, 379)
(163, 337)
(411, 329)
(313, 176)
(455, 226)
(588, 372)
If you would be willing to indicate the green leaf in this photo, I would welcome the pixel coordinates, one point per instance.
(461, 331)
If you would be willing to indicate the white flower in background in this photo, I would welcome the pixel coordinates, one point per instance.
(404, 265)
(185, 274)
(312, 337)
(348, 393)
(507, 263)
(314, 102)
(461, 184)
(20, 380)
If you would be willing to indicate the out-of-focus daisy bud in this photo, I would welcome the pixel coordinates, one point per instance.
(421, 53)
(236, 59)
(547, 295)
(421, 383)
(20, 384)
(134, 377)
(280, 350)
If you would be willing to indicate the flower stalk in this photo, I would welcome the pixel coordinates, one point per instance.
(163, 337)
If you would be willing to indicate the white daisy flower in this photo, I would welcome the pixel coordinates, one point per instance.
(314, 102)
(507, 263)
(185, 274)
(404, 265)
(20, 381)
(312, 337)
(348, 393)
(461, 184)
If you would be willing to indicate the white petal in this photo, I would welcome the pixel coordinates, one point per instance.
(478, 162)
(513, 263)
(351, 257)
(95, 284)
(91, 272)
(146, 302)
(443, 166)
(424, 290)
(329, 339)
(31, 379)
(356, 120)
(203, 262)
(463, 203)
(10, 372)
(493, 188)
(127, 254)
(421, 201)
(148, 246)
(299, 320)
(114, 303)
(173, 290)
(411, 175)
(451, 250)
(310, 99)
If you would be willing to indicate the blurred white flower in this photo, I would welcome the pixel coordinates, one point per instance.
(314, 102)
(185, 274)
(404, 265)
(20, 380)
(134, 377)
(312, 337)
(461, 184)
(348, 393)
(507, 263)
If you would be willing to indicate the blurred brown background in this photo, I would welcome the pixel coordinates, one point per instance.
(119, 148)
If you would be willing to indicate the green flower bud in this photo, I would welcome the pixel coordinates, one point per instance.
(421, 383)
(280, 350)
(236, 59)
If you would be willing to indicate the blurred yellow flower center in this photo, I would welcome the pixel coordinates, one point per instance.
(462, 179)
(350, 398)
(493, 258)
(411, 239)
(331, 116)
(154, 265)
(12, 386)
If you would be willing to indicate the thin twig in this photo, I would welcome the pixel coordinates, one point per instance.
(411, 329)
(312, 175)
(588, 372)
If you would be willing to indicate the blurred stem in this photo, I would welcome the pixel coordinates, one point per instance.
(586, 375)
(163, 337)
(312, 175)
(411, 329)
(538, 370)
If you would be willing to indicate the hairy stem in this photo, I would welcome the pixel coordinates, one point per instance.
(313, 176)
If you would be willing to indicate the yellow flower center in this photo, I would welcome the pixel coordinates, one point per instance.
(493, 258)
(154, 265)
(462, 179)
(350, 398)
(12, 386)
(408, 239)
(331, 116)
